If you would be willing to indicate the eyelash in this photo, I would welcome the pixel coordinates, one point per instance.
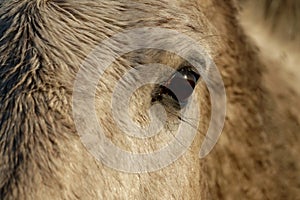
(179, 86)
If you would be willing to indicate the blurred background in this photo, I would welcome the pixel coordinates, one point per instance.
(274, 25)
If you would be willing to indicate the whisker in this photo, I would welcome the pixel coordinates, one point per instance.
(185, 120)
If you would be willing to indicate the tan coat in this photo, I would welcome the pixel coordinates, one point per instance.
(44, 42)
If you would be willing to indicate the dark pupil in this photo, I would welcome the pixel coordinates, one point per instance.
(180, 86)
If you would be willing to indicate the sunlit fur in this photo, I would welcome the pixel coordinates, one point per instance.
(43, 43)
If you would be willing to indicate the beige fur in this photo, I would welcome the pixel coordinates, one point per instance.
(43, 43)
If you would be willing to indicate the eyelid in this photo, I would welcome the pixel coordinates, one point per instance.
(189, 66)
(185, 70)
(190, 69)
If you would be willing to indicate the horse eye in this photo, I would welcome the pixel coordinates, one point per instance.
(180, 86)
